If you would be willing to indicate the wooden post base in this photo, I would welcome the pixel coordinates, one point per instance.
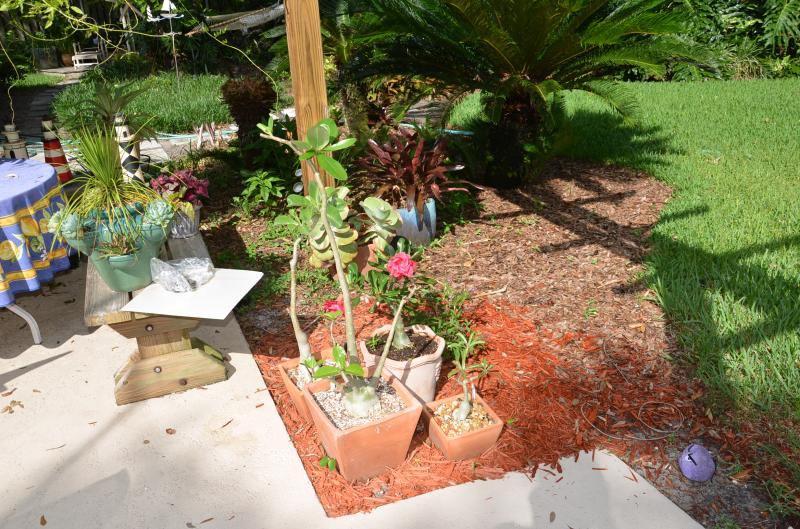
(167, 359)
(145, 378)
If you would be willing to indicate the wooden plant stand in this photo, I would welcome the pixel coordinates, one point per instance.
(167, 359)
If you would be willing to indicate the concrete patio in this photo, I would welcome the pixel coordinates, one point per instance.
(71, 458)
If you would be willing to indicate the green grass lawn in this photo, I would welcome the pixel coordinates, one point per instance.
(177, 105)
(726, 253)
(38, 80)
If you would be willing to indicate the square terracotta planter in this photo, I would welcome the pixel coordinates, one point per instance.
(467, 446)
(365, 451)
(295, 393)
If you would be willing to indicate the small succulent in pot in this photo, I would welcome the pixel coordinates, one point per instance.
(467, 374)
(408, 174)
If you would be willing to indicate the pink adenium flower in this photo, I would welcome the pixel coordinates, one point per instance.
(401, 265)
(333, 305)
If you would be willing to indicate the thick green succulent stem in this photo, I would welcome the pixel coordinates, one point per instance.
(300, 336)
(397, 317)
(465, 408)
(349, 322)
(401, 339)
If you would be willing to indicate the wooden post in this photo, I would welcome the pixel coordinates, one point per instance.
(304, 37)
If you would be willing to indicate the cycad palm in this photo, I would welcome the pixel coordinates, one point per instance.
(523, 54)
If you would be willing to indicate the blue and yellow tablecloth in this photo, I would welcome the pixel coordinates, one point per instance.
(29, 196)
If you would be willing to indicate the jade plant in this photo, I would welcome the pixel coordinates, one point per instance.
(467, 374)
(322, 219)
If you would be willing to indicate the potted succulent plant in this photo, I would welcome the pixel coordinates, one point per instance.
(464, 426)
(365, 423)
(410, 177)
(415, 353)
(119, 224)
(374, 230)
(186, 192)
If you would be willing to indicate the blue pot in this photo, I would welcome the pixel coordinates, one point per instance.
(419, 233)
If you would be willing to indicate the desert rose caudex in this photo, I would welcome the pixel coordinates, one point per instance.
(360, 395)
(300, 336)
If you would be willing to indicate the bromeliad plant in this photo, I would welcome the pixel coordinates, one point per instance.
(322, 218)
(467, 374)
(406, 172)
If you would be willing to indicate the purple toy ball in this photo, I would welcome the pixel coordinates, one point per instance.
(697, 463)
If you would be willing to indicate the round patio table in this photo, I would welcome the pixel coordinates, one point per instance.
(29, 196)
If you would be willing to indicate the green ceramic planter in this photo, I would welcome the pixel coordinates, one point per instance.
(122, 273)
(126, 273)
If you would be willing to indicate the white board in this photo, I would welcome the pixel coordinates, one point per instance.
(212, 301)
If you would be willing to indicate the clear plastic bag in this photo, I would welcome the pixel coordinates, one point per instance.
(182, 275)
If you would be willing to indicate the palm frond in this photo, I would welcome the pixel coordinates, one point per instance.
(782, 23)
(615, 95)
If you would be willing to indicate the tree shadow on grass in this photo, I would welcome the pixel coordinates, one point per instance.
(605, 137)
(228, 250)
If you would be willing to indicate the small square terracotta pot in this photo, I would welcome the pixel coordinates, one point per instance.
(295, 393)
(469, 445)
(365, 451)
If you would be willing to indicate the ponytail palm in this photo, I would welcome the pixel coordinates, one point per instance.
(523, 54)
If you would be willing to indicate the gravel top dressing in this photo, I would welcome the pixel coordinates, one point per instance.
(332, 404)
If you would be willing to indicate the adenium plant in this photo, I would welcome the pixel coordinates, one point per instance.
(467, 374)
(321, 217)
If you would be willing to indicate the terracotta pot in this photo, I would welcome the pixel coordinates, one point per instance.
(420, 374)
(365, 451)
(469, 445)
(295, 393)
(366, 253)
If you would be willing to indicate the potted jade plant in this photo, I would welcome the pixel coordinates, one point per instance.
(410, 177)
(415, 353)
(185, 192)
(365, 422)
(464, 426)
(119, 224)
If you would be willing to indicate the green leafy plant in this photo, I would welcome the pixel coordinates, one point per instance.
(466, 373)
(262, 189)
(105, 202)
(327, 462)
(109, 101)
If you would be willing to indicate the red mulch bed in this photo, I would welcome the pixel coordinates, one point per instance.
(538, 392)
(554, 271)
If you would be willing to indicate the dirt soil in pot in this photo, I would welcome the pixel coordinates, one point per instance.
(421, 345)
(583, 358)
